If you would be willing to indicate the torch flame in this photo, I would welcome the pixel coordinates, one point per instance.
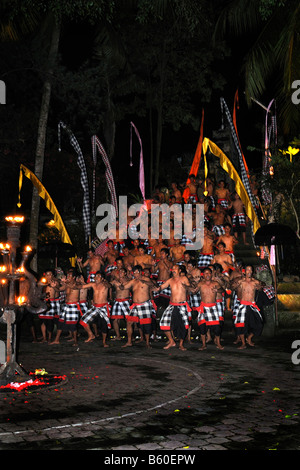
(21, 299)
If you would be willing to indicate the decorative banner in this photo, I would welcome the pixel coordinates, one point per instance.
(141, 170)
(235, 107)
(242, 168)
(196, 162)
(58, 223)
(83, 179)
(266, 194)
(108, 173)
(233, 174)
(272, 256)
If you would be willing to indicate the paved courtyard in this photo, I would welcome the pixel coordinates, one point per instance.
(128, 399)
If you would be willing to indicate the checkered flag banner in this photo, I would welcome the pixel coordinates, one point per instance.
(270, 131)
(241, 170)
(83, 179)
(96, 144)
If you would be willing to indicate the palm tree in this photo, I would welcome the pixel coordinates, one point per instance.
(273, 59)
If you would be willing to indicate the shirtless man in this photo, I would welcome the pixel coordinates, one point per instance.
(110, 257)
(177, 251)
(218, 217)
(144, 260)
(142, 307)
(207, 251)
(121, 306)
(94, 262)
(135, 249)
(70, 314)
(222, 194)
(164, 267)
(52, 296)
(239, 218)
(193, 186)
(128, 259)
(175, 318)
(100, 309)
(223, 258)
(235, 275)
(229, 240)
(176, 192)
(248, 321)
(156, 246)
(208, 315)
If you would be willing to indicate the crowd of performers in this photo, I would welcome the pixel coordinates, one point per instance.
(160, 287)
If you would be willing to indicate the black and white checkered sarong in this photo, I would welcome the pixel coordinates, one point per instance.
(208, 314)
(141, 313)
(184, 310)
(70, 314)
(218, 230)
(101, 310)
(120, 309)
(239, 220)
(53, 310)
(205, 259)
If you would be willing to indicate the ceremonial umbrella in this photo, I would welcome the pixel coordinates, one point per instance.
(273, 235)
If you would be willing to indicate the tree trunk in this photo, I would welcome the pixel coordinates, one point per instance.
(41, 139)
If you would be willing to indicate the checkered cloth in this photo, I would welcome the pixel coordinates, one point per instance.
(220, 308)
(166, 293)
(205, 259)
(120, 308)
(231, 255)
(235, 305)
(101, 310)
(193, 199)
(241, 170)
(53, 310)
(110, 268)
(186, 240)
(91, 276)
(141, 313)
(269, 291)
(218, 230)
(194, 300)
(83, 307)
(223, 203)
(166, 318)
(240, 318)
(208, 314)
(70, 314)
(239, 220)
(83, 179)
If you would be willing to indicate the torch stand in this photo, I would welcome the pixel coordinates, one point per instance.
(9, 370)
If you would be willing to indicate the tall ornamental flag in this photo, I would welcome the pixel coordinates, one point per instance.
(83, 179)
(141, 169)
(96, 144)
(242, 167)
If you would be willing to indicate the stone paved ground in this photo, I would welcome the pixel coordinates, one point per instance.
(156, 400)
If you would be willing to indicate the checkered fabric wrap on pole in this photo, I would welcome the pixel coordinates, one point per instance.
(83, 179)
(108, 173)
(242, 170)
